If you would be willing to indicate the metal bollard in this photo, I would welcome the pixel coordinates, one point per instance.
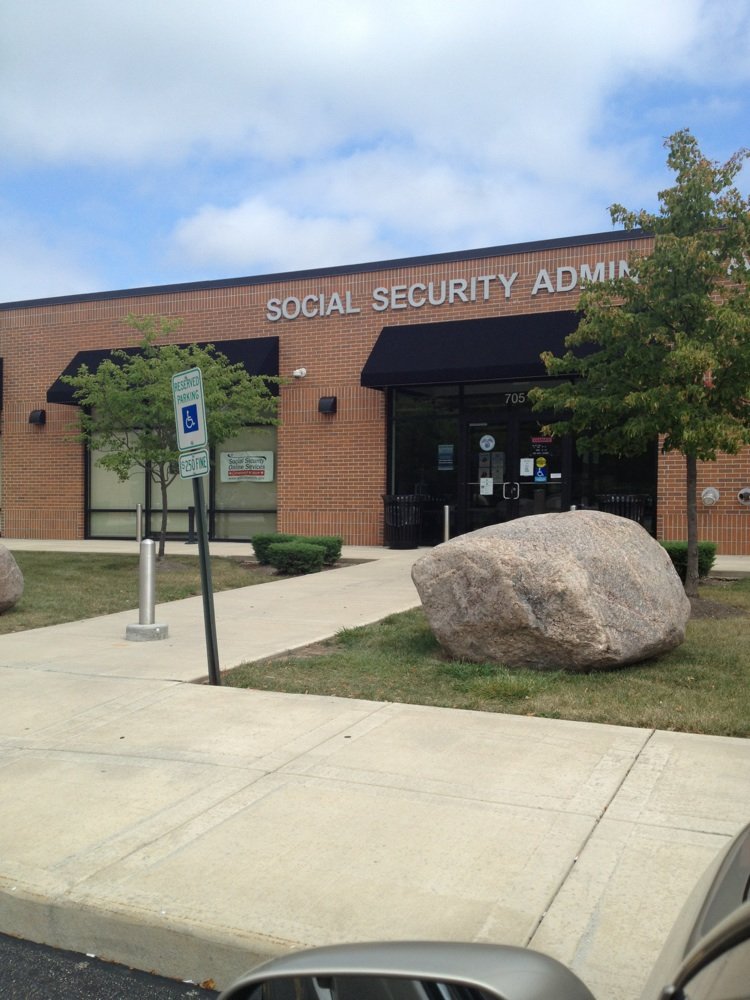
(139, 523)
(446, 523)
(147, 627)
(147, 583)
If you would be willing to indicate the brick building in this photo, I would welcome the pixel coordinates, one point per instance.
(416, 375)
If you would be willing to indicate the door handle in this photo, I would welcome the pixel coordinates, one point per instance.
(511, 491)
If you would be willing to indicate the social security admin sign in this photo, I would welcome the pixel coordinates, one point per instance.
(189, 409)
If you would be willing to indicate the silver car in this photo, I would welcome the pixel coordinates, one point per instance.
(706, 957)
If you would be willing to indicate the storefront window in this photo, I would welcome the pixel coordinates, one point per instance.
(426, 401)
(245, 474)
(241, 493)
(479, 450)
(113, 503)
(603, 481)
(179, 499)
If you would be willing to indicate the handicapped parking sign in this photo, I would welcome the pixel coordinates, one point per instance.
(190, 421)
(189, 409)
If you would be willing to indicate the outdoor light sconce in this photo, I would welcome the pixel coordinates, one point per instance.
(744, 496)
(327, 404)
(710, 496)
(38, 417)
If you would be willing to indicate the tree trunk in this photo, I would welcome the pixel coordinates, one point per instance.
(691, 571)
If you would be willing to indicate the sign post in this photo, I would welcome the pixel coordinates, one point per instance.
(192, 438)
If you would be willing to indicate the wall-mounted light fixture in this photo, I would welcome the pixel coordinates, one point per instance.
(327, 404)
(299, 373)
(38, 417)
(710, 496)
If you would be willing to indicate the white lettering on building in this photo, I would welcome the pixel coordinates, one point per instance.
(566, 278)
(507, 283)
(311, 306)
(446, 291)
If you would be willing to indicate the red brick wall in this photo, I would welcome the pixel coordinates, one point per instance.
(727, 522)
(331, 468)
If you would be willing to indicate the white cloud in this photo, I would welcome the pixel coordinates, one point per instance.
(350, 130)
(390, 202)
(289, 78)
(34, 266)
(260, 233)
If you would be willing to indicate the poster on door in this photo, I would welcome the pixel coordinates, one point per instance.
(541, 445)
(445, 458)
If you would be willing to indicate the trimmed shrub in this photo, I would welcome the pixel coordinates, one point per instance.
(261, 543)
(296, 557)
(330, 543)
(677, 552)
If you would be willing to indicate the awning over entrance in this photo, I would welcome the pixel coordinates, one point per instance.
(467, 350)
(260, 356)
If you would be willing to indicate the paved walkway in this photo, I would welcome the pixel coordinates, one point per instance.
(195, 830)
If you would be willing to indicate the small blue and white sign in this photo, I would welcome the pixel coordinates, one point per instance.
(190, 419)
(189, 409)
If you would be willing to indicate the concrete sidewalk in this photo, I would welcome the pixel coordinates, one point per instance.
(196, 830)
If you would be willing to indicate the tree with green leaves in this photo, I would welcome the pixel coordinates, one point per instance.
(665, 351)
(127, 409)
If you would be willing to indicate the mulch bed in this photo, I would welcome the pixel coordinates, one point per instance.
(704, 607)
(700, 607)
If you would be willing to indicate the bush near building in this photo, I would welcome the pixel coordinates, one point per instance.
(297, 557)
(268, 552)
(678, 553)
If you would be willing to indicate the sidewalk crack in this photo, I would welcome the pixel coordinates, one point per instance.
(587, 839)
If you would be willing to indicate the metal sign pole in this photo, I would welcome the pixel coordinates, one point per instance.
(192, 442)
(212, 649)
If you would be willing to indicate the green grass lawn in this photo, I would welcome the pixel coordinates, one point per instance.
(63, 587)
(701, 687)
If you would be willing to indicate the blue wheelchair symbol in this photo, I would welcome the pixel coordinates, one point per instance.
(190, 418)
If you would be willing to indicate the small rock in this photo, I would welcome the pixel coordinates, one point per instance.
(11, 580)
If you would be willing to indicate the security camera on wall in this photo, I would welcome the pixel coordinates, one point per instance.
(299, 373)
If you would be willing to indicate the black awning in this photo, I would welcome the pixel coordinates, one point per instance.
(467, 350)
(260, 356)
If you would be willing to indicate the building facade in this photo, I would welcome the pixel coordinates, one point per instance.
(406, 377)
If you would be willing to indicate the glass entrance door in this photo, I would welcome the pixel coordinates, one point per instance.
(475, 455)
(511, 470)
(488, 494)
(542, 469)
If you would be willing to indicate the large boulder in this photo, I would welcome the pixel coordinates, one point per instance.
(582, 590)
(11, 580)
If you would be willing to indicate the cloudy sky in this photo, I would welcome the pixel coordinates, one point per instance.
(159, 141)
